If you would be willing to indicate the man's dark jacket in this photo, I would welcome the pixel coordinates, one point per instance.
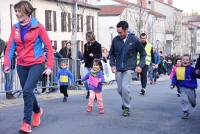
(124, 55)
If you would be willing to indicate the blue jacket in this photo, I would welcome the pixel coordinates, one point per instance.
(156, 58)
(124, 55)
(190, 79)
(64, 77)
(99, 75)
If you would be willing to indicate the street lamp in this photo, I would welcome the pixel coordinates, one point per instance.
(111, 30)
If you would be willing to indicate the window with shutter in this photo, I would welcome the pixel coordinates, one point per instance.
(54, 21)
(63, 22)
(88, 28)
(92, 17)
(81, 23)
(69, 22)
(34, 13)
(78, 24)
(48, 24)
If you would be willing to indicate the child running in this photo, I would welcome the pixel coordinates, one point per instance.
(63, 76)
(173, 72)
(95, 78)
(185, 79)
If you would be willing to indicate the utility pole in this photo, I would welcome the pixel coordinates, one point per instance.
(74, 39)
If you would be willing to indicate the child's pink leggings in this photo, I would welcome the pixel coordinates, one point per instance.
(99, 99)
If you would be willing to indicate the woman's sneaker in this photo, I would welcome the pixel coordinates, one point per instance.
(37, 118)
(25, 128)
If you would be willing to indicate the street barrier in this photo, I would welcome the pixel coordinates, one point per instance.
(48, 84)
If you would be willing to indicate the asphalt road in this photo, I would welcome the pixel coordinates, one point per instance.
(158, 112)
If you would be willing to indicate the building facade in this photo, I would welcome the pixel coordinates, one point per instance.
(56, 16)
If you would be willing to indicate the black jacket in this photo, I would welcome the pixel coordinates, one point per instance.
(66, 53)
(197, 66)
(124, 55)
(95, 49)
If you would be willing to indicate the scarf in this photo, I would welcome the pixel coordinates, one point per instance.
(94, 72)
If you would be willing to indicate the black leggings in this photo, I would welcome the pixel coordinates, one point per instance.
(63, 89)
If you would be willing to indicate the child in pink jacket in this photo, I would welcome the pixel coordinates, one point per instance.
(173, 72)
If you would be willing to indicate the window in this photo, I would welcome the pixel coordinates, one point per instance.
(69, 22)
(34, 13)
(48, 24)
(79, 23)
(63, 22)
(90, 23)
(54, 21)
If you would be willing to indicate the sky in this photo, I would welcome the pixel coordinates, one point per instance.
(188, 5)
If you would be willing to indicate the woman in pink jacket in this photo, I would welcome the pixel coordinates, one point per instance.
(27, 38)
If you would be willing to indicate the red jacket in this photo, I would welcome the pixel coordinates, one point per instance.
(30, 51)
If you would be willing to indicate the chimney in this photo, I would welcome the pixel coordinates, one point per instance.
(142, 3)
(170, 2)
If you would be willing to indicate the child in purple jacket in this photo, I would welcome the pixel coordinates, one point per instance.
(185, 79)
(95, 78)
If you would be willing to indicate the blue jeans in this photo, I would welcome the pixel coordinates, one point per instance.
(153, 75)
(29, 77)
(9, 79)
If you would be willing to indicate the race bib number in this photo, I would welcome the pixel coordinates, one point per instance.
(63, 79)
(180, 73)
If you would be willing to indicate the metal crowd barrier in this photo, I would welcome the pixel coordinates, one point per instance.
(48, 83)
(16, 85)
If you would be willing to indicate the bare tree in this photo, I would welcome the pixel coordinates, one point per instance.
(174, 28)
(141, 18)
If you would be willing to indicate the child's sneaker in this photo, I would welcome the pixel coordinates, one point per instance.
(185, 115)
(65, 99)
(89, 109)
(178, 95)
(37, 118)
(142, 92)
(101, 110)
(25, 128)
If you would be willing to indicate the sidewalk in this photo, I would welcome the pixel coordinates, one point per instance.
(42, 97)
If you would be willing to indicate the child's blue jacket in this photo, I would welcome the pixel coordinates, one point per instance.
(190, 79)
(66, 74)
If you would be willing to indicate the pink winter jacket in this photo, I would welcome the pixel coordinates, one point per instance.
(173, 71)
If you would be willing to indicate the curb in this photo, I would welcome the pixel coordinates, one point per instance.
(51, 96)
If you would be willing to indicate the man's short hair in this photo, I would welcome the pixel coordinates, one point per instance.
(123, 25)
(64, 62)
(143, 34)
